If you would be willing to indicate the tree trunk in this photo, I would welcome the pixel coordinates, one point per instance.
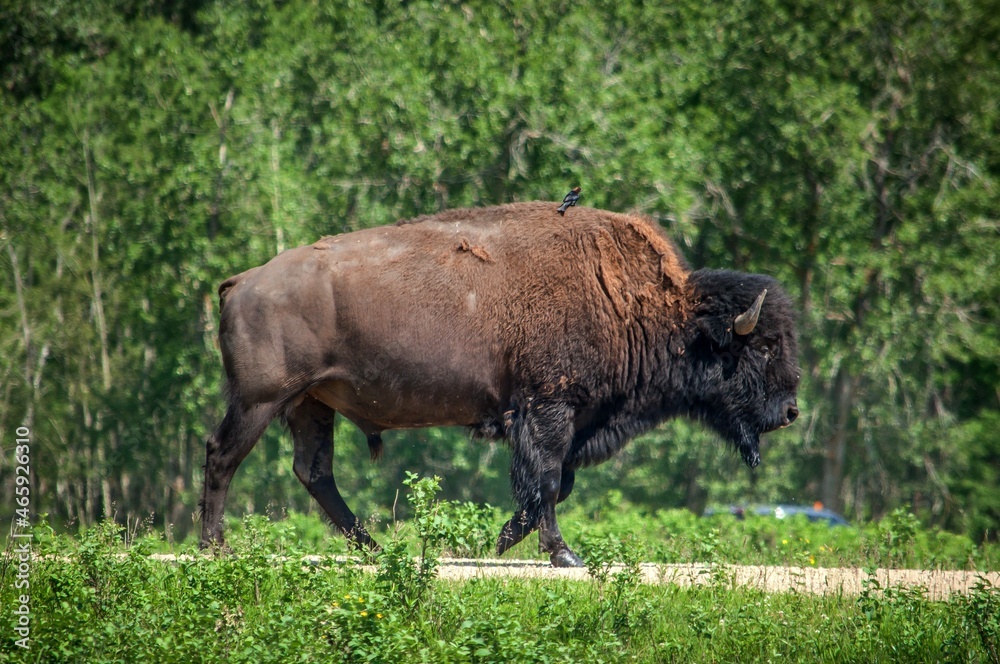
(844, 389)
(95, 274)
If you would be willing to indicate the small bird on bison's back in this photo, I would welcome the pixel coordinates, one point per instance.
(569, 201)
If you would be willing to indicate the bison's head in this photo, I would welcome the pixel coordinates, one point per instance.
(746, 357)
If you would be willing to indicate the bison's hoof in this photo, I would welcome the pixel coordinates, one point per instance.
(565, 558)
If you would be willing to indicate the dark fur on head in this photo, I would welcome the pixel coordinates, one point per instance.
(746, 384)
(740, 386)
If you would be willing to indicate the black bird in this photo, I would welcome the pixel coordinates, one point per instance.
(570, 200)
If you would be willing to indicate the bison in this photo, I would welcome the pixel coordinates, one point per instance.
(566, 336)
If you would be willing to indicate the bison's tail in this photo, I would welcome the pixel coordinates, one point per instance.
(226, 285)
(231, 282)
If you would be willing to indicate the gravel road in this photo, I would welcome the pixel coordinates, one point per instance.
(939, 584)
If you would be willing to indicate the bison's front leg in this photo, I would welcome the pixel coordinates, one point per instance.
(549, 537)
(540, 439)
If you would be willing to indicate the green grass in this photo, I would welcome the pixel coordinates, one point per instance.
(91, 604)
(677, 536)
(98, 597)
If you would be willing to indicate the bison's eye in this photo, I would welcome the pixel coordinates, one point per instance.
(769, 348)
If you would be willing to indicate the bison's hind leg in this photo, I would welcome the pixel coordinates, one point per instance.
(236, 435)
(311, 423)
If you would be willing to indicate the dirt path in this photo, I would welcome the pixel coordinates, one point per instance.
(939, 584)
(820, 581)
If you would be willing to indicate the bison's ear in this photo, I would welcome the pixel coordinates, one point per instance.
(717, 329)
(714, 325)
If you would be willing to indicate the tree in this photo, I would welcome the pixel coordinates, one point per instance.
(150, 150)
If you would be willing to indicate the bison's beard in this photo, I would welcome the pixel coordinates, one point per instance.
(747, 442)
(744, 438)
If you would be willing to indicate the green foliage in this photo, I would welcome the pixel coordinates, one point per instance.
(666, 536)
(896, 608)
(100, 597)
(403, 578)
(677, 536)
(981, 618)
(624, 608)
(150, 150)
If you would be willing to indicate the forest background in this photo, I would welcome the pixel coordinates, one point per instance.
(151, 148)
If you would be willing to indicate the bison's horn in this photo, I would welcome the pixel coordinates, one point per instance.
(747, 321)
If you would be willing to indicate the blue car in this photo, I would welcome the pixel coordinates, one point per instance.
(812, 512)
